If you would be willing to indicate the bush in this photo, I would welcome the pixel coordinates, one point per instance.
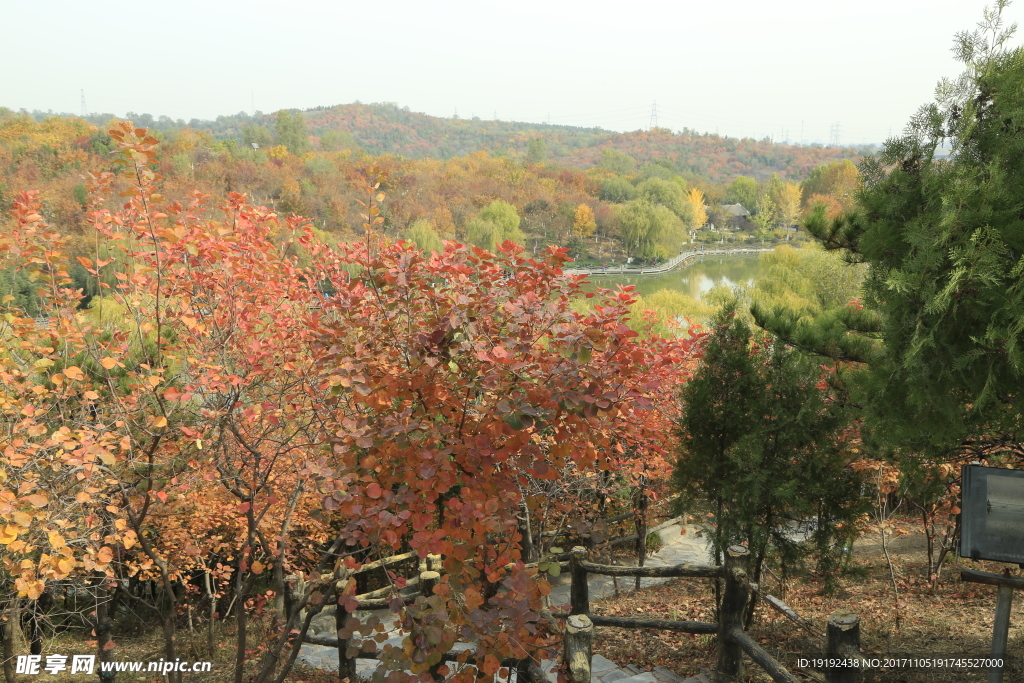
(654, 542)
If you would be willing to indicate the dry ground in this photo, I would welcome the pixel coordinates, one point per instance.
(147, 646)
(953, 621)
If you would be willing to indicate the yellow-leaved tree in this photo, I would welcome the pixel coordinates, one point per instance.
(584, 224)
(700, 211)
(786, 196)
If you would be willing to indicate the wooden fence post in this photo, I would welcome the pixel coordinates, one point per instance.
(1000, 631)
(1004, 601)
(843, 640)
(579, 647)
(579, 594)
(730, 615)
(427, 582)
(523, 671)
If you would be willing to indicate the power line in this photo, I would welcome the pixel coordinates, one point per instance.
(654, 115)
(85, 111)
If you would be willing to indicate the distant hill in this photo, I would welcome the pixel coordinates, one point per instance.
(389, 129)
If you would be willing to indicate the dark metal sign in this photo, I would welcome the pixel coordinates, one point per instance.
(992, 514)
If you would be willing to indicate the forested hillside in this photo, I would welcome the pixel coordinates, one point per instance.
(389, 129)
(264, 375)
(636, 195)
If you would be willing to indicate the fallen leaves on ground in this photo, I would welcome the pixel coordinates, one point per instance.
(953, 621)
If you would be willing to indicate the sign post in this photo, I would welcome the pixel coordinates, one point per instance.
(992, 528)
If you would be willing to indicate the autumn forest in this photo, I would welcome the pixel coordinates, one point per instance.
(345, 363)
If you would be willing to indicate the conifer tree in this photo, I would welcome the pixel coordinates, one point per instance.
(940, 220)
(761, 447)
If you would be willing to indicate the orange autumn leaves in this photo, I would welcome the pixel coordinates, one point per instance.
(213, 411)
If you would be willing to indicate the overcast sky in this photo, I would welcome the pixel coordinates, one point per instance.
(739, 67)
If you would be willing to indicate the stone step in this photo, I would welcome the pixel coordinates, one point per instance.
(599, 666)
(677, 549)
(666, 676)
(645, 677)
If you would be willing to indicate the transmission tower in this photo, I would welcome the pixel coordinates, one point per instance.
(834, 134)
(85, 111)
(654, 115)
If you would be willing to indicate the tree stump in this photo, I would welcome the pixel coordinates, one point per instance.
(579, 646)
(730, 615)
(843, 640)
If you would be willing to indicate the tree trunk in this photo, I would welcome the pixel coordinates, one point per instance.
(734, 604)
(428, 581)
(211, 642)
(104, 626)
(526, 529)
(12, 622)
(241, 622)
(640, 505)
(718, 557)
(35, 633)
(346, 666)
(759, 557)
(929, 535)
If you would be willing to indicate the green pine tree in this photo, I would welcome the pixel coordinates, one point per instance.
(940, 221)
(760, 448)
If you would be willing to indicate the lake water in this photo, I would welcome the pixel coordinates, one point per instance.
(693, 279)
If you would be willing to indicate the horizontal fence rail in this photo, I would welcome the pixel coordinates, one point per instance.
(778, 672)
(700, 627)
(691, 571)
(843, 636)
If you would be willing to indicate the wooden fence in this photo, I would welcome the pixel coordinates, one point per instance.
(842, 636)
(527, 670)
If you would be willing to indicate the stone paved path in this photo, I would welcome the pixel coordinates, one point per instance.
(676, 549)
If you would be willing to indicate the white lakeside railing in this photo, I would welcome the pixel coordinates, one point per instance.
(671, 264)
